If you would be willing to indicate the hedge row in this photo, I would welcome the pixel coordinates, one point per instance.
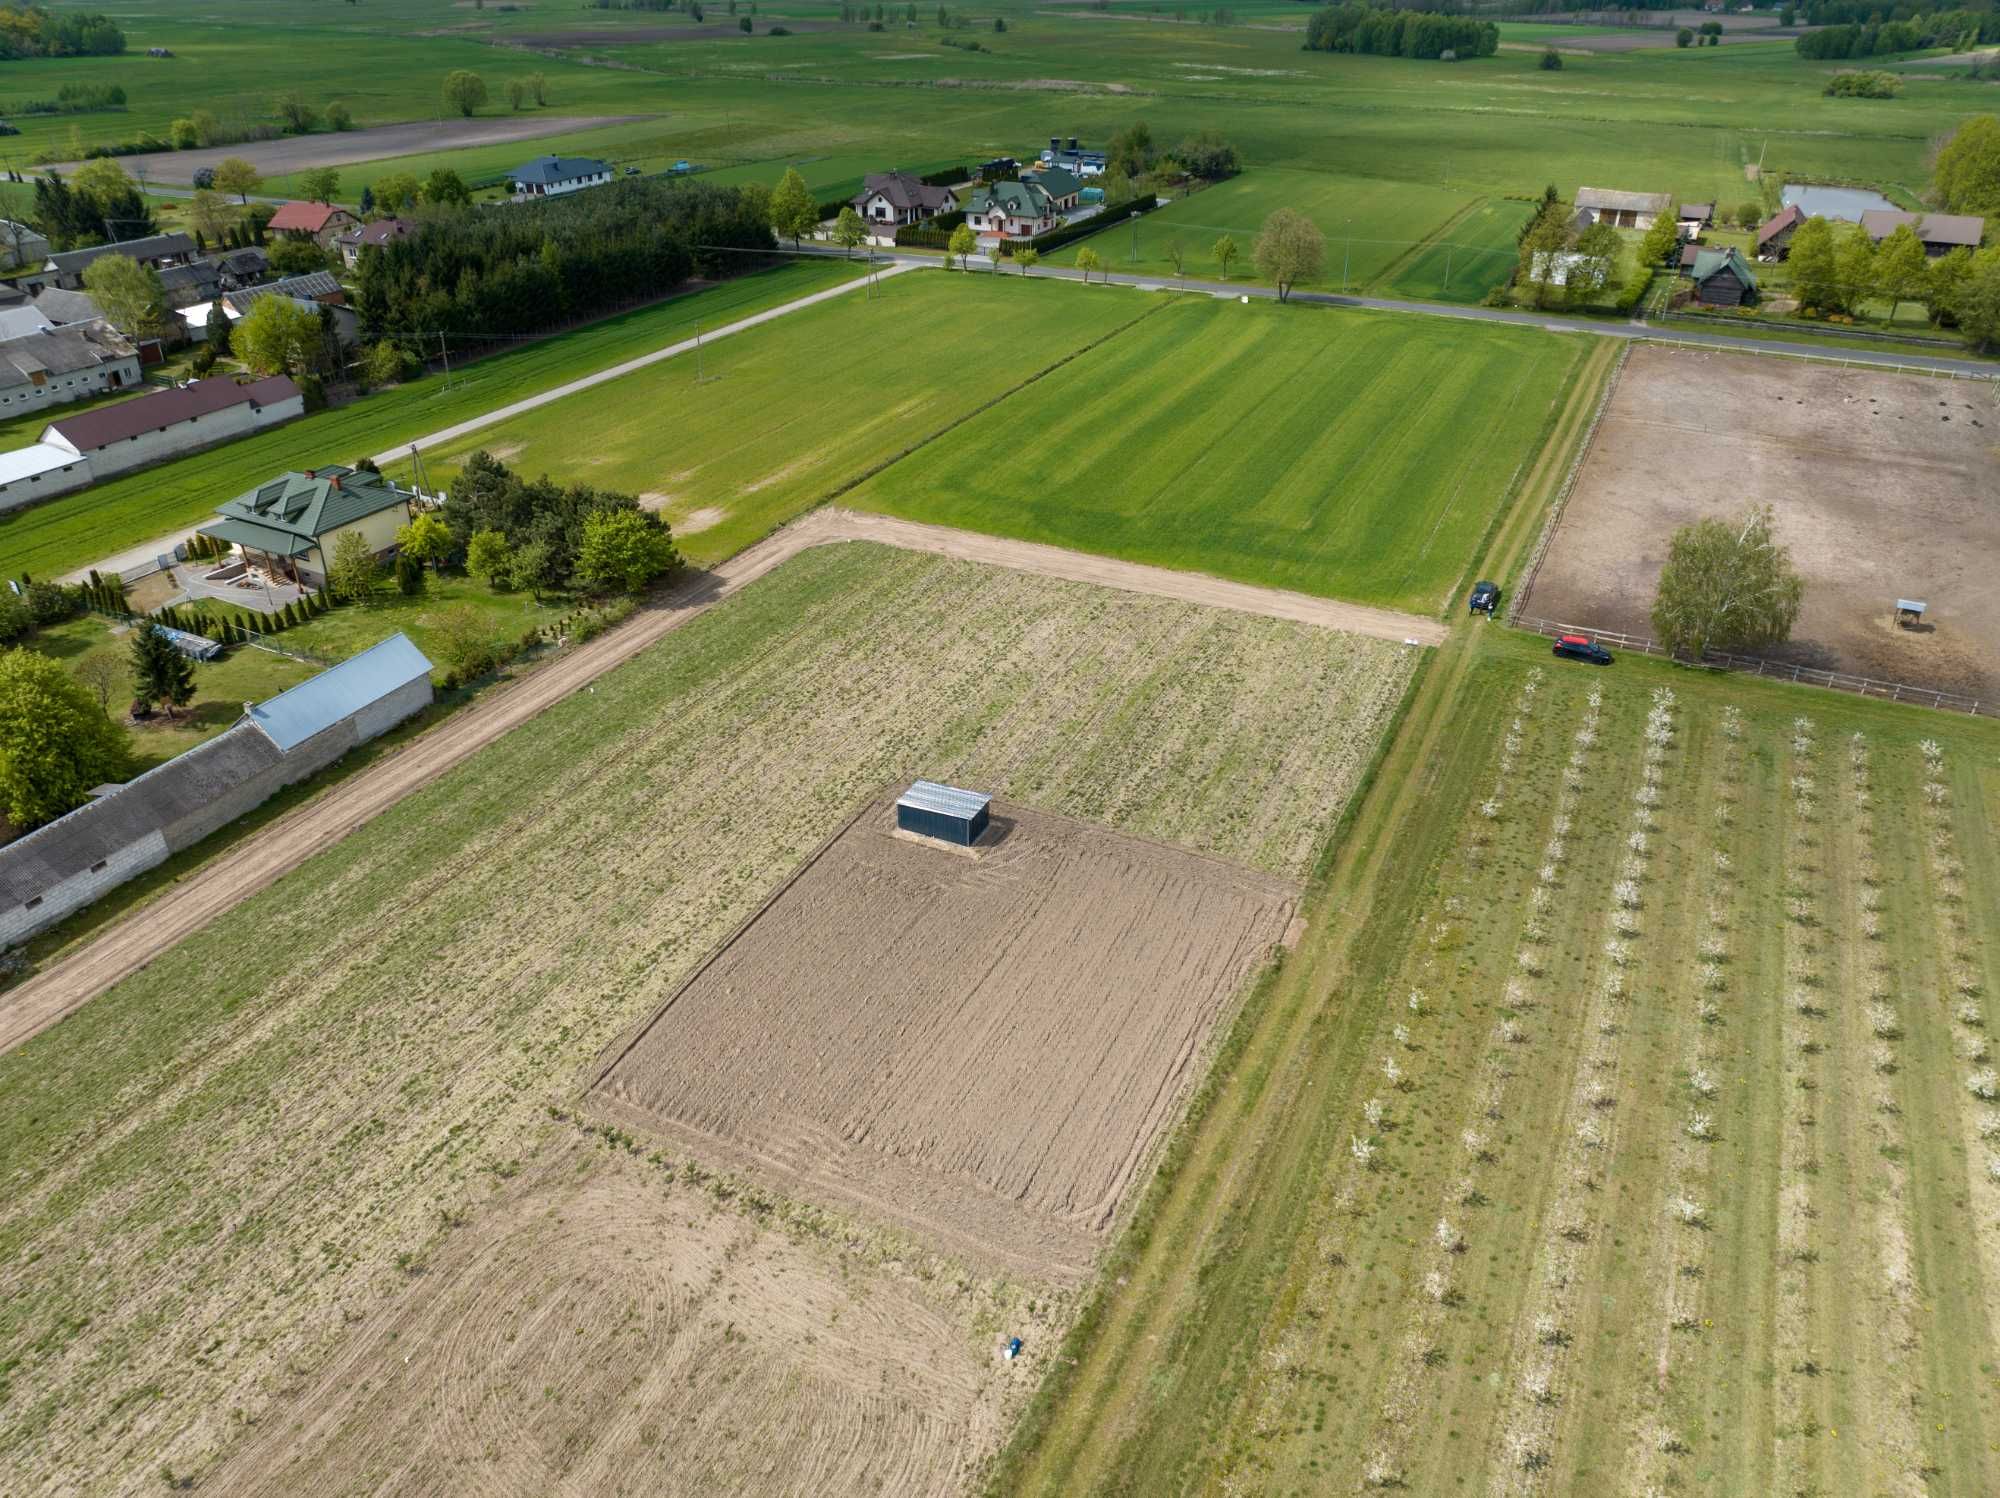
(933, 234)
(1064, 234)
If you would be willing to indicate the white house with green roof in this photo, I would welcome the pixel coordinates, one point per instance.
(290, 526)
(1012, 210)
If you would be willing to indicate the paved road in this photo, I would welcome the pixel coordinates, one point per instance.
(1553, 322)
(139, 555)
(253, 864)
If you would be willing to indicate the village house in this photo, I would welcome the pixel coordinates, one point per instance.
(1073, 158)
(244, 267)
(1722, 278)
(378, 233)
(1012, 210)
(318, 222)
(1694, 217)
(1621, 210)
(551, 176)
(313, 290)
(893, 199)
(288, 528)
(58, 365)
(1063, 186)
(65, 270)
(1774, 235)
(186, 284)
(1941, 232)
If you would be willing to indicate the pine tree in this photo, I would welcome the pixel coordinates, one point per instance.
(160, 673)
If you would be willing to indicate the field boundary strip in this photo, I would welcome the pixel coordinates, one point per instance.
(214, 888)
(1770, 670)
(1555, 515)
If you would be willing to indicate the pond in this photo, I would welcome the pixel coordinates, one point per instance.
(1846, 203)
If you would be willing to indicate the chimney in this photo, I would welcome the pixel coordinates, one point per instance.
(336, 481)
(1055, 142)
(311, 474)
(1072, 142)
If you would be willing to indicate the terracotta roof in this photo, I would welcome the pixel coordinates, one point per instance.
(307, 218)
(1791, 216)
(152, 413)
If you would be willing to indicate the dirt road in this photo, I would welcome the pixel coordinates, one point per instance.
(234, 876)
(298, 153)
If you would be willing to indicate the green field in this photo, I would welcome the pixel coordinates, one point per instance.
(1357, 455)
(785, 419)
(1468, 257)
(1781, 1023)
(79, 529)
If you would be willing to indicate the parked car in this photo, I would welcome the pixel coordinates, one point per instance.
(1582, 648)
(1485, 597)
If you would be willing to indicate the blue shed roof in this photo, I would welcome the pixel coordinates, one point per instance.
(295, 715)
(949, 800)
(551, 169)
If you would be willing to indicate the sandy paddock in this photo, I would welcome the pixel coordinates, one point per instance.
(981, 1047)
(1884, 486)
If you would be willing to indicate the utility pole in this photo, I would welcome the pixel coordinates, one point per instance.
(1447, 267)
(444, 354)
(1347, 258)
(1135, 238)
(697, 353)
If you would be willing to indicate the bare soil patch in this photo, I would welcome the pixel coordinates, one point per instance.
(298, 153)
(599, 1332)
(981, 1047)
(1882, 485)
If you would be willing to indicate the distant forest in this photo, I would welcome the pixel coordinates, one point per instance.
(1384, 32)
(30, 31)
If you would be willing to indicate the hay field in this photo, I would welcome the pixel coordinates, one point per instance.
(1647, 1135)
(291, 1131)
(1344, 454)
(979, 1044)
(1882, 486)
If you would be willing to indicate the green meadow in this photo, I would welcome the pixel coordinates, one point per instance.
(79, 529)
(1349, 454)
(789, 414)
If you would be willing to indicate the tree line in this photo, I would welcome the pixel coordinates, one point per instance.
(551, 537)
(1382, 32)
(1873, 38)
(30, 31)
(539, 264)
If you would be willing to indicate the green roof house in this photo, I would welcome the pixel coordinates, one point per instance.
(1722, 278)
(1062, 186)
(1012, 210)
(289, 527)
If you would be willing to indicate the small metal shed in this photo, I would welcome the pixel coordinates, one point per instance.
(1909, 611)
(944, 812)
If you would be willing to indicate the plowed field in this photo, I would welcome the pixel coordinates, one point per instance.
(322, 1118)
(980, 1045)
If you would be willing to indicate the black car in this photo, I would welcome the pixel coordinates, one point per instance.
(1485, 597)
(1582, 648)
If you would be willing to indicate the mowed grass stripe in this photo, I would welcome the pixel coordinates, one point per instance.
(1336, 453)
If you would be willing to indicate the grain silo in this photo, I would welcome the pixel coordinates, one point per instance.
(944, 812)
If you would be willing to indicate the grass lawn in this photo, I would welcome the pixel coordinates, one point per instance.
(243, 675)
(1347, 454)
(1780, 1022)
(792, 411)
(353, 627)
(77, 530)
(1389, 220)
(1465, 259)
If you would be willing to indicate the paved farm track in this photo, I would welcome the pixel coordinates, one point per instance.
(234, 877)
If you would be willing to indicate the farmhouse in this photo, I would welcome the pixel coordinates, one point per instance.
(62, 308)
(39, 471)
(187, 284)
(170, 423)
(1012, 210)
(896, 198)
(59, 365)
(1722, 278)
(157, 250)
(21, 245)
(379, 233)
(319, 222)
(289, 527)
(19, 322)
(1694, 217)
(1941, 232)
(1621, 210)
(73, 860)
(245, 267)
(1774, 235)
(550, 176)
